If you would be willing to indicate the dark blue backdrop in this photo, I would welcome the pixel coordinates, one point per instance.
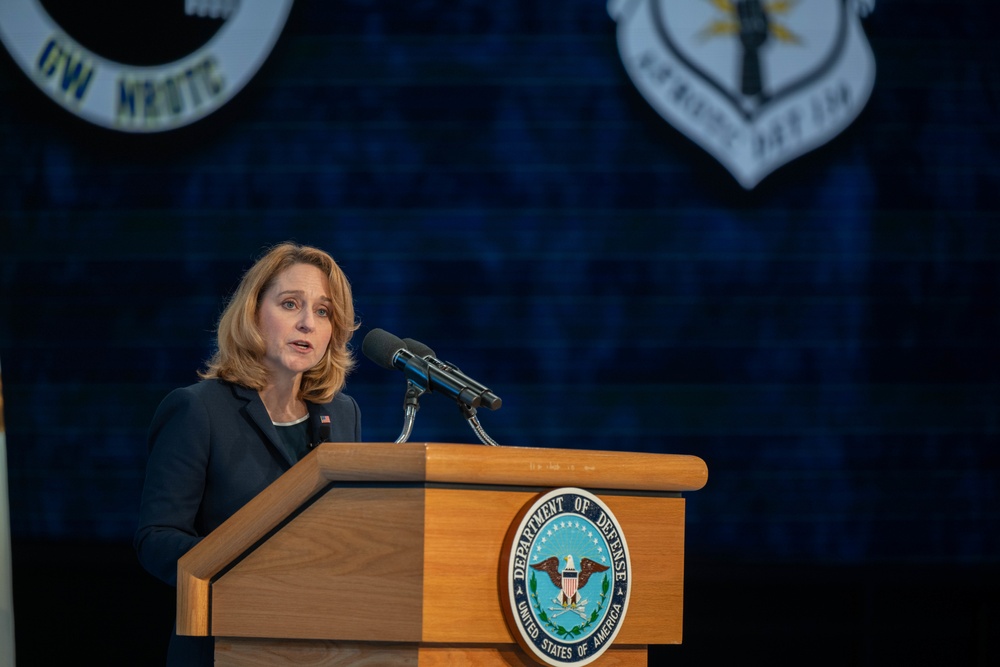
(495, 186)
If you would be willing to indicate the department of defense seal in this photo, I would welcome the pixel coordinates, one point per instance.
(568, 574)
(141, 67)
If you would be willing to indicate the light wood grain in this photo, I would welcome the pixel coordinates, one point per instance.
(461, 589)
(414, 564)
(350, 567)
(511, 466)
(464, 532)
(238, 652)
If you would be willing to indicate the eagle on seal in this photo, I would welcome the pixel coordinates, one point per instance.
(570, 580)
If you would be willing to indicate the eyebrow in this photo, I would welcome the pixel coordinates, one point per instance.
(298, 292)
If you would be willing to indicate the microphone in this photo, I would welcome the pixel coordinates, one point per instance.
(418, 348)
(389, 351)
(487, 398)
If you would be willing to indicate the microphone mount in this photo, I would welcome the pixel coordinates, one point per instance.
(411, 404)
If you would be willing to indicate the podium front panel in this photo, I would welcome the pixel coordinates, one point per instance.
(421, 563)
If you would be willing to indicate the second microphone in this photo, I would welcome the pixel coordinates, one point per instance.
(421, 367)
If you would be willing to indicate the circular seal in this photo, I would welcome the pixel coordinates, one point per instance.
(566, 577)
(189, 58)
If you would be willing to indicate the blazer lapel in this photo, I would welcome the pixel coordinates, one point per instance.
(258, 414)
(319, 425)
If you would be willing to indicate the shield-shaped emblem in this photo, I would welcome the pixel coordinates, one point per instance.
(756, 83)
(569, 583)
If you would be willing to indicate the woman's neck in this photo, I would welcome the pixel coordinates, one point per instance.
(282, 401)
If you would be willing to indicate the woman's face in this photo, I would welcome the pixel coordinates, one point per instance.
(294, 318)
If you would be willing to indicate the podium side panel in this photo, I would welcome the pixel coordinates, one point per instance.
(348, 567)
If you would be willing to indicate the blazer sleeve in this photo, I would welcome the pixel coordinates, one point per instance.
(176, 473)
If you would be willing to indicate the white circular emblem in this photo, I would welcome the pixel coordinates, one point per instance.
(568, 578)
(235, 36)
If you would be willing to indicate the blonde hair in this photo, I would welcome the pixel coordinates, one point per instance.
(241, 346)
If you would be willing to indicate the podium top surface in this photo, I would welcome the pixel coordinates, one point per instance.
(509, 466)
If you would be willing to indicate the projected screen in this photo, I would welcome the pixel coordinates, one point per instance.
(496, 186)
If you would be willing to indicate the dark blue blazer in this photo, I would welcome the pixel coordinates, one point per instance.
(213, 447)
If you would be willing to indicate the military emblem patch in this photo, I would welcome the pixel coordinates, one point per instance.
(566, 578)
(138, 66)
(755, 83)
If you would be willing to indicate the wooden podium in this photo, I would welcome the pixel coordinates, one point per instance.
(384, 553)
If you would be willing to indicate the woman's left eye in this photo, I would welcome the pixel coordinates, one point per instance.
(323, 312)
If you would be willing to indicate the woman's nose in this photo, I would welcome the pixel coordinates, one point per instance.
(307, 321)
